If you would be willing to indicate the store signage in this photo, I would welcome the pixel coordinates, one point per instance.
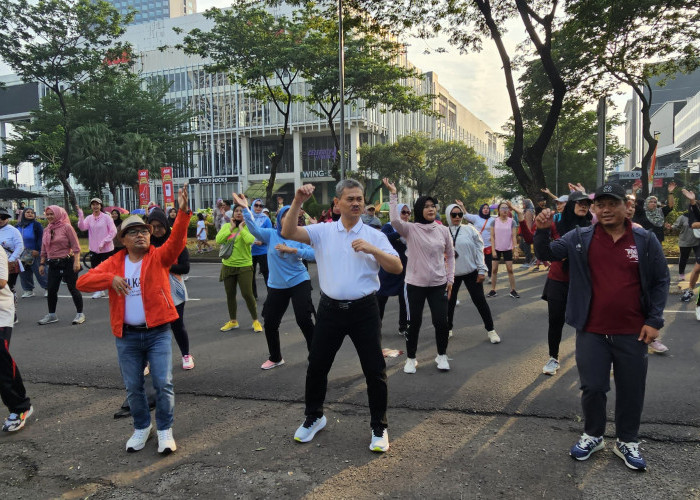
(321, 154)
(636, 174)
(166, 173)
(213, 180)
(308, 174)
(144, 189)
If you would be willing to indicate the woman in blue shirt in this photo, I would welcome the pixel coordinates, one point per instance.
(32, 232)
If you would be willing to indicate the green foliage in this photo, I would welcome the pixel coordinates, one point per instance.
(312, 207)
(447, 170)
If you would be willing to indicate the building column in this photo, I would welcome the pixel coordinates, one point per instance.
(245, 163)
(3, 136)
(354, 145)
(296, 143)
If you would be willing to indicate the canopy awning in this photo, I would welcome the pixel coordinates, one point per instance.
(18, 194)
(258, 190)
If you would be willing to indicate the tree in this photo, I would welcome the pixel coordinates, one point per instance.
(61, 44)
(630, 43)
(444, 169)
(259, 52)
(93, 154)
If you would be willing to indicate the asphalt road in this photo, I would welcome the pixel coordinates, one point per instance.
(493, 426)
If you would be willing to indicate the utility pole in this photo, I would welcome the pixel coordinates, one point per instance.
(341, 73)
(600, 177)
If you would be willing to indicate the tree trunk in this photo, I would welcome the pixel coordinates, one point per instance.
(69, 195)
(648, 137)
(64, 169)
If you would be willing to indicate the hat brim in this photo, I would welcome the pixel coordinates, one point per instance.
(132, 226)
(609, 195)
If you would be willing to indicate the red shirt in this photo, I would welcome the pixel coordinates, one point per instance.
(616, 307)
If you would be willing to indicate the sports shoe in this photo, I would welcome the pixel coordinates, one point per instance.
(697, 313)
(17, 420)
(629, 452)
(449, 334)
(380, 440)
(524, 266)
(98, 295)
(551, 367)
(138, 439)
(257, 327)
(187, 362)
(493, 337)
(49, 318)
(268, 365)
(586, 446)
(79, 319)
(27, 293)
(166, 442)
(657, 347)
(457, 303)
(442, 364)
(309, 428)
(681, 277)
(410, 366)
(492, 293)
(687, 295)
(514, 294)
(46, 293)
(403, 331)
(230, 325)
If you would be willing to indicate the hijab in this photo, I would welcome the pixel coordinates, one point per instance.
(259, 218)
(60, 218)
(24, 222)
(334, 215)
(449, 217)
(280, 214)
(655, 216)
(118, 222)
(157, 214)
(569, 220)
(418, 207)
(481, 211)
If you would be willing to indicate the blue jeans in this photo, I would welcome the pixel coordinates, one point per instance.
(27, 280)
(134, 349)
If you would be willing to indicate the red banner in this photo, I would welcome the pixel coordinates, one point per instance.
(166, 173)
(144, 189)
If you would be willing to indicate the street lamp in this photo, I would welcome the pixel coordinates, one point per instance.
(341, 76)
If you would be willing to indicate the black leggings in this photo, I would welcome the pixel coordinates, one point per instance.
(488, 259)
(63, 269)
(476, 292)
(179, 330)
(555, 293)
(437, 301)
(403, 321)
(685, 255)
(262, 260)
(12, 389)
(276, 305)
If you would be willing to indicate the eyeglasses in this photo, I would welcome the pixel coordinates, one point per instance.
(135, 232)
(456, 215)
(405, 212)
(257, 205)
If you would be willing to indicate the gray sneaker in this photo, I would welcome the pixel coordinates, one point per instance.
(551, 367)
(49, 318)
(79, 319)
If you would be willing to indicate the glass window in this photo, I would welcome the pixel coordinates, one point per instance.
(262, 150)
(318, 154)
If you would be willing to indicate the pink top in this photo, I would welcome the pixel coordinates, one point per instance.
(430, 253)
(503, 234)
(59, 240)
(101, 231)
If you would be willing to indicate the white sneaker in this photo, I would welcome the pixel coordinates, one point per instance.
(457, 303)
(166, 442)
(449, 334)
(46, 293)
(79, 319)
(441, 360)
(697, 313)
(49, 318)
(138, 439)
(551, 367)
(380, 440)
(410, 366)
(309, 428)
(493, 337)
(28, 293)
(97, 295)
(187, 362)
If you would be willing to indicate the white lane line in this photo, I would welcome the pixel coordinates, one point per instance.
(684, 312)
(86, 296)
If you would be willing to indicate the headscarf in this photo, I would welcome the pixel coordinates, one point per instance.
(418, 207)
(334, 215)
(481, 211)
(158, 215)
(259, 218)
(569, 220)
(449, 217)
(655, 216)
(117, 222)
(24, 222)
(280, 214)
(60, 219)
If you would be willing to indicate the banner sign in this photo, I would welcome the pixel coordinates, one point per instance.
(144, 189)
(213, 180)
(166, 173)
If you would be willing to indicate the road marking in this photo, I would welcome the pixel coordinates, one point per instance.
(686, 312)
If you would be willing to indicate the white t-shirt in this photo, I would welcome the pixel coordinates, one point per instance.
(134, 313)
(201, 230)
(7, 299)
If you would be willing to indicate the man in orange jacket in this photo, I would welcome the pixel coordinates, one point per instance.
(141, 310)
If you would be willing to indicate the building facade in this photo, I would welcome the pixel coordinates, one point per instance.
(153, 10)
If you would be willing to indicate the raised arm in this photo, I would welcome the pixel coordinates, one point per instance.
(259, 233)
(396, 222)
(82, 223)
(292, 231)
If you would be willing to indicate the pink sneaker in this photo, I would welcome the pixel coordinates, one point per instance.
(268, 365)
(657, 347)
(187, 362)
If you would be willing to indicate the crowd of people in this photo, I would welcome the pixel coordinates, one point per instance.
(605, 244)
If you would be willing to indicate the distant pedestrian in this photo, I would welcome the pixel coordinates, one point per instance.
(503, 239)
(172, 215)
(619, 285)
(202, 239)
(101, 231)
(11, 240)
(394, 284)
(482, 222)
(141, 310)
(32, 232)
(687, 242)
(348, 255)
(259, 249)
(117, 219)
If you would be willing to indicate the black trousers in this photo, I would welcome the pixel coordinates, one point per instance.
(98, 258)
(476, 292)
(629, 357)
(262, 261)
(63, 270)
(360, 321)
(12, 391)
(488, 259)
(556, 294)
(179, 331)
(437, 301)
(685, 254)
(276, 305)
(403, 317)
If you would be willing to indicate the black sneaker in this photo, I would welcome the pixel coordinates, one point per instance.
(687, 295)
(492, 293)
(514, 294)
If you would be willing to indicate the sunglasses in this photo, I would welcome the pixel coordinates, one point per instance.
(455, 215)
(257, 205)
(405, 212)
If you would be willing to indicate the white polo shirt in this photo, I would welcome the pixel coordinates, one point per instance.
(343, 273)
(7, 299)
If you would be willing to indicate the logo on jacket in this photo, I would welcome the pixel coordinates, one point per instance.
(632, 254)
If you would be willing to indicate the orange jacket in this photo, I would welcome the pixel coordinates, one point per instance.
(155, 283)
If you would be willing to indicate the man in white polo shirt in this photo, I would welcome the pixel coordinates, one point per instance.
(348, 254)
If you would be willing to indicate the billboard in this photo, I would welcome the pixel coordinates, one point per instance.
(144, 189)
(166, 173)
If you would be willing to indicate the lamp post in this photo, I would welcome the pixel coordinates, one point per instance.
(341, 76)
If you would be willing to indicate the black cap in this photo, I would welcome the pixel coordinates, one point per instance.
(611, 189)
(578, 196)
(4, 213)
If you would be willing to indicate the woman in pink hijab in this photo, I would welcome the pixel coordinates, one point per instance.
(60, 259)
